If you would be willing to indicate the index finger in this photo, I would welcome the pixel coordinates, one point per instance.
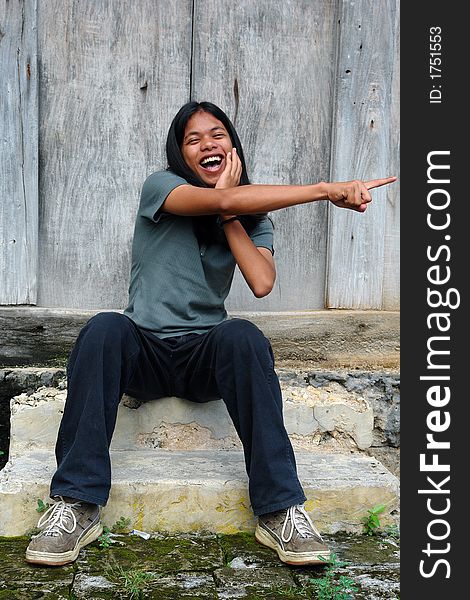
(373, 183)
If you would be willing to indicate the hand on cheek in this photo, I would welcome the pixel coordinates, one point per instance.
(232, 172)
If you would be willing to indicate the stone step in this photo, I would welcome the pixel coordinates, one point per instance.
(177, 424)
(163, 490)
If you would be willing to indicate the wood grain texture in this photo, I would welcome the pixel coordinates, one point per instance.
(365, 112)
(18, 153)
(391, 277)
(113, 74)
(312, 86)
(270, 66)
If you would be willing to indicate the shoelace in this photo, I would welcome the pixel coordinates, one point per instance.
(303, 526)
(56, 519)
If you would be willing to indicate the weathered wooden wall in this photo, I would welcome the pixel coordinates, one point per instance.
(364, 147)
(280, 59)
(112, 75)
(18, 153)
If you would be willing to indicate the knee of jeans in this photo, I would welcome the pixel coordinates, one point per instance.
(109, 325)
(245, 336)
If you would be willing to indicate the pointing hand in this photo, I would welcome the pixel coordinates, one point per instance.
(354, 194)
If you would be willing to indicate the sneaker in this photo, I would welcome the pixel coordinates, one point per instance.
(66, 527)
(294, 537)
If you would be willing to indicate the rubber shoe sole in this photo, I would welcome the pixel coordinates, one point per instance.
(319, 557)
(57, 560)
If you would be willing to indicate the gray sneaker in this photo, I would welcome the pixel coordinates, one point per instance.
(294, 537)
(66, 527)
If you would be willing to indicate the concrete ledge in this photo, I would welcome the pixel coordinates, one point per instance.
(327, 338)
(203, 491)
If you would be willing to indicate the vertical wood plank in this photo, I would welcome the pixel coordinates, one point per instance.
(361, 149)
(18, 153)
(113, 74)
(270, 66)
(391, 286)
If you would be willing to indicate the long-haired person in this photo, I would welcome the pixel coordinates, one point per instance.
(196, 222)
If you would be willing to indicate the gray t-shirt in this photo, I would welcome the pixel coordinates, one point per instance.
(177, 287)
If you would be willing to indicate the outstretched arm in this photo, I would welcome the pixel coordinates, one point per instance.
(229, 199)
(189, 200)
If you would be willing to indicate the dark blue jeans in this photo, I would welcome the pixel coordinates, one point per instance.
(233, 361)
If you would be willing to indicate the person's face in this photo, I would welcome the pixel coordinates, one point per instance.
(205, 146)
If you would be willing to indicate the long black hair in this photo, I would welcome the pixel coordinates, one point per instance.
(205, 227)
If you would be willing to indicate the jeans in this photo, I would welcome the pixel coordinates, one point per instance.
(233, 361)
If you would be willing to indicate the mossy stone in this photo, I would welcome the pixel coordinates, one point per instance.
(30, 581)
(197, 567)
(165, 554)
(245, 547)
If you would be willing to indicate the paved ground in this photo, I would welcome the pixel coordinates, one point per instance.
(204, 567)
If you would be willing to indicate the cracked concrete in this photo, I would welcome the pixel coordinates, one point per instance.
(314, 405)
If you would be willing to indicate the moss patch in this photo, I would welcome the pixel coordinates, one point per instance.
(164, 554)
(244, 547)
(366, 550)
(22, 580)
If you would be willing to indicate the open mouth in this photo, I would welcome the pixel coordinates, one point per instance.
(212, 163)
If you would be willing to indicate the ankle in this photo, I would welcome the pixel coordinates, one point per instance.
(70, 500)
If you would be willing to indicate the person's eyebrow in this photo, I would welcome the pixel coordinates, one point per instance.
(197, 132)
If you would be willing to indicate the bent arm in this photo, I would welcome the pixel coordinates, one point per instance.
(255, 264)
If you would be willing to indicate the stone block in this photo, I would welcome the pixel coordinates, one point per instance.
(178, 424)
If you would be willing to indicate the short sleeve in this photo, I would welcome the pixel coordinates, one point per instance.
(262, 234)
(155, 191)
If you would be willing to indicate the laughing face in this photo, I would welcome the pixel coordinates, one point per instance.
(205, 146)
